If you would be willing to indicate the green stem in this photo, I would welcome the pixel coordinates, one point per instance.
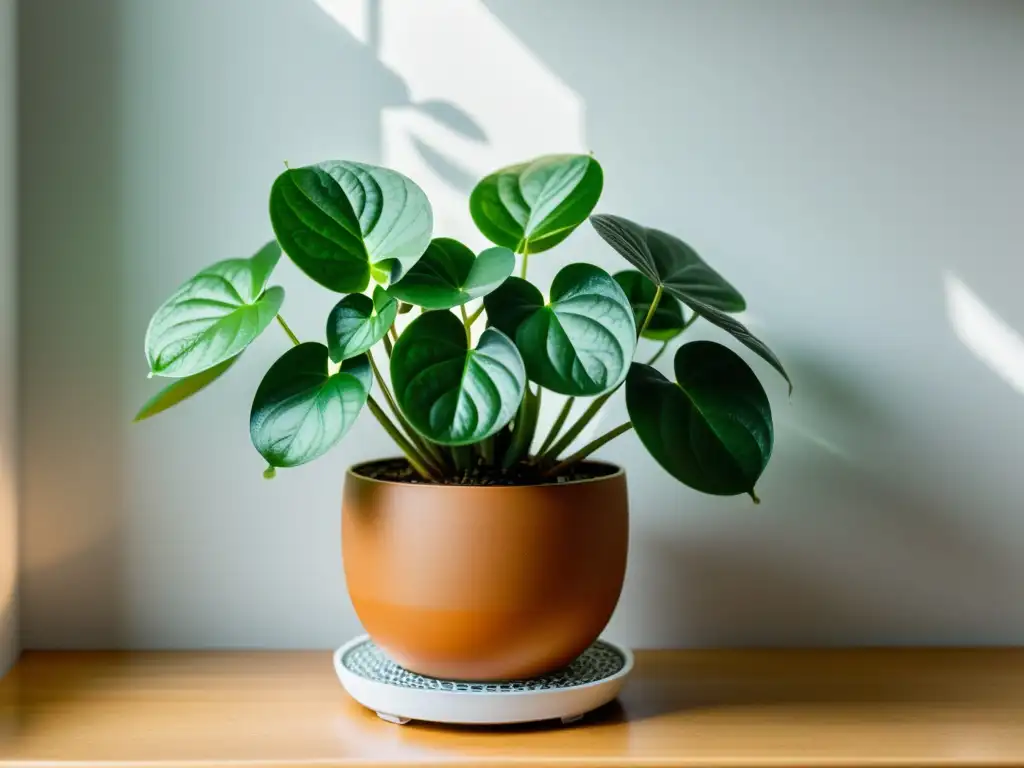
(292, 336)
(410, 453)
(661, 350)
(414, 437)
(557, 426)
(394, 332)
(524, 249)
(387, 345)
(434, 450)
(659, 353)
(466, 324)
(574, 431)
(487, 450)
(473, 317)
(588, 449)
(524, 428)
(650, 312)
(463, 457)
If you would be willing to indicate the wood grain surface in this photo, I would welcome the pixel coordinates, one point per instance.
(680, 708)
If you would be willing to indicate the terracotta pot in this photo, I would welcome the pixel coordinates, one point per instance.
(484, 582)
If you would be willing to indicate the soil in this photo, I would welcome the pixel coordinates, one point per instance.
(399, 471)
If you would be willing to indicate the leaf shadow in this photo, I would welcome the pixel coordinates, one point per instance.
(450, 171)
(452, 117)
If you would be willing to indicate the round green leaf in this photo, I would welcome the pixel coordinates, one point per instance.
(670, 263)
(214, 316)
(512, 304)
(449, 393)
(343, 222)
(712, 428)
(301, 410)
(449, 275)
(578, 344)
(533, 206)
(357, 322)
(182, 389)
(667, 322)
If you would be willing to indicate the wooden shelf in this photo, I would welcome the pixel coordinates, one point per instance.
(703, 708)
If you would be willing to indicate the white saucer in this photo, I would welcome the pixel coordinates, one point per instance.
(398, 696)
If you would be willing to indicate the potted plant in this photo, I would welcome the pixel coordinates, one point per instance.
(486, 551)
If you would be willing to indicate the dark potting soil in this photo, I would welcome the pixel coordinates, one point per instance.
(399, 471)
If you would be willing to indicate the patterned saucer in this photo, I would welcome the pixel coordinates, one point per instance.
(398, 695)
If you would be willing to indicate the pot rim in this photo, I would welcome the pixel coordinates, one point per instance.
(353, 471)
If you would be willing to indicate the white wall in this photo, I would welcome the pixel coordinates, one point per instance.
(856, 168)
(9, 646)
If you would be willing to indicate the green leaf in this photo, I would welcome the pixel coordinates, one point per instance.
(357, 322)
(343, 222)
(182, 389)
(580, 343)
(712, 428)
(533, 206)
(512, 304)
(214, 316)
(669, 262)
(449, 275)
(300, 410)
(449, 393)
(667, 322)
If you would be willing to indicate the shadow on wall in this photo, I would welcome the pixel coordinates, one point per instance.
(363, 21)
(727, 588)
(872, 560)
(807, 154)
(877, 526)
(70, 303)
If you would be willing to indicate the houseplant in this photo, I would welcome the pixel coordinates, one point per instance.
(487, 550)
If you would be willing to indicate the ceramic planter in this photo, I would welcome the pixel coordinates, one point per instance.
(484, 582)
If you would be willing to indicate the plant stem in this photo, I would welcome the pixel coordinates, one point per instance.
(524, 428)
(387, 345)
(441, 459)
(650, 312)
(389, 427)
(659, 353)
(473, 317)
(463, 457)
(292, 336)
(487, 450)
(393, 332)
(664, 345)
(524, 249)
(466, 324)
(557, 426)
(425, 454)
(574, 431)
(588, 449)
(383, 386)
